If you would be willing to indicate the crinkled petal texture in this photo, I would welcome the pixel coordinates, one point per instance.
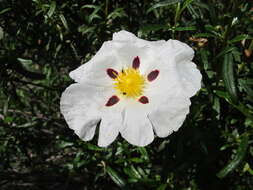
(171, 78)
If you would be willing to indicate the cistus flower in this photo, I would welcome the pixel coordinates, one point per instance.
(133, 87)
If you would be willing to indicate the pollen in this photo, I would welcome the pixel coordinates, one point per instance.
(130, 83)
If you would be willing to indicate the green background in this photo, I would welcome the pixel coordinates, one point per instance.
(42, 40)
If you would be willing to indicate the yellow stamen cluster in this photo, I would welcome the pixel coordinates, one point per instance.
(130, 83)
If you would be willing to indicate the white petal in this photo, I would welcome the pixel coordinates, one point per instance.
(94, 71)
(179, 51)
(177, 74)
(124, 36)
(109, 128)
(129, 46)
(165, 56)
(172, 49)
(170, 116)
(137, 128)
(126, 52)
(165, 87)
(80, 107)
(187, 72)
(190, 77)
(131, 38)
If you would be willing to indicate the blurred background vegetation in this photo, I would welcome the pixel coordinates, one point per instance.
(42, 40)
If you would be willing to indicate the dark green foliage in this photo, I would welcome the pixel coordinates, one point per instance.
(42, 40)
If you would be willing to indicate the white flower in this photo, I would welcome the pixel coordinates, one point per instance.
(134, 87)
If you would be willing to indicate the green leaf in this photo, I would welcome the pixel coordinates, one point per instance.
(85, 29)
(94, 14)
(228, 76)
(136, 160)
(247, 87)
(30, 124)
(115, 177)
(162, 187)
(188, 28)
(186, 4)
(216, 106)
(237, 56)
(25, 62)
(240, 38)
(90, 6)
(1, 33)
(223, 95)
(213, 30)
(8, 119)
(225, 51)
(6, 106)
(204, 57)
(4, 11)
(247, 169)
(193, 12)
(241, 107)
(143, 152)
(204, 35)
(117, 13)
(132, 172)
(65, 144)
(163, 4)
(244, 110)
(51, 9)
(155, 27)
(240, 153)
(179, 10)
(64, 22)
(93, 147)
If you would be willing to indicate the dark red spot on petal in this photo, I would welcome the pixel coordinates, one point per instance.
(113, 100)
(144, 100)
(136, 62)
(153, 75)
(112, 73)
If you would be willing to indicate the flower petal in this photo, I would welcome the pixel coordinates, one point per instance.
(128, 52)
(179, 51)
(165, 87)
(137, 128)
(109, 128)
(177, 74)
(165, 56)
(180, 57)
(190, 77)
(80, 107)
(129, 47)
(131, 38)
(123, 36)
(95, 71)
(170, 116)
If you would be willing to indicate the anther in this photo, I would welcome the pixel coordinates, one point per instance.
(113, 100)
(136, 62)
(144, 100)
(112, 73)
(153, 75)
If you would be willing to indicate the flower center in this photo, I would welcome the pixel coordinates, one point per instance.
(130, 83)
